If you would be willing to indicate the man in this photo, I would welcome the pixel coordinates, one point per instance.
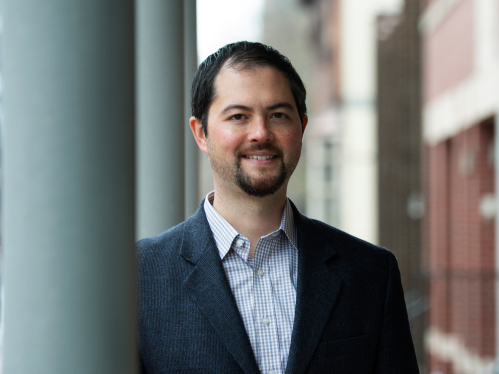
(248, 284)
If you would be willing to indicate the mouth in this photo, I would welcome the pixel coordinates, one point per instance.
(260, 158)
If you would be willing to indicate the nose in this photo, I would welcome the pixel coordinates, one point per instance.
(260, 131)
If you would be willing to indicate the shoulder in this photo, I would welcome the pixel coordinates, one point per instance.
(191, 229)
(176, 247)
(355, 253)
(364, 268)
(163, 242)
(349, 241)
(159, 258)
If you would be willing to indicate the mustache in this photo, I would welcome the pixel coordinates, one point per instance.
(259, 147)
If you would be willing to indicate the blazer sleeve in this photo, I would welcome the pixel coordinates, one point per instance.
(395, 352)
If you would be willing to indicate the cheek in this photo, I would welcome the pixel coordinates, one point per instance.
(226, 141)
(292, 139)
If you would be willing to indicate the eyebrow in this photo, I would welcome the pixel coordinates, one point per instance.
(237, 106)
(281, 105)
(248, 109)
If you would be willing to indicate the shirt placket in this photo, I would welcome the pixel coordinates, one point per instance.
(265, 318)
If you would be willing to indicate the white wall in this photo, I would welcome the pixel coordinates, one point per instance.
(358, 211)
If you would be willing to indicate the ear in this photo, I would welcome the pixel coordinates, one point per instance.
(305, 122)
(198, 132)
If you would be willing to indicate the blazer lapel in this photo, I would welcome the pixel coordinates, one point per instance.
(208, 286)
(318, 287)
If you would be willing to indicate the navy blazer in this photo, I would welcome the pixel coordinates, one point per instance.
(350, 313)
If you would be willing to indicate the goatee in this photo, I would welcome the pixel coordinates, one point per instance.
(261, 188)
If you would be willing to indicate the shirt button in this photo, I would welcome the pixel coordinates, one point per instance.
(260, 273)
(265, 321)
(239, 243)
(272, 372)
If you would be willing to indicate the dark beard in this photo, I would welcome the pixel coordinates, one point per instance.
(264, 188)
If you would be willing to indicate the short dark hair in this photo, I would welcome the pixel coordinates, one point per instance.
(245, 55)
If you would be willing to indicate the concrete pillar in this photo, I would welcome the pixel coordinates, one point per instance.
(68, 192)
(160, 115)
(191, 148)
(496, 176)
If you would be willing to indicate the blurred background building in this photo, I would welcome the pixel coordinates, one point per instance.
(400, 150)
(400, 187)
(460, 108)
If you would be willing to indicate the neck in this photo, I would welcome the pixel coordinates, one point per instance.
(251, 216)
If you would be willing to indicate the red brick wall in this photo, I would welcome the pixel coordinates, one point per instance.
(487, 240)
(461, 251)
(448, 51)
(438, 244)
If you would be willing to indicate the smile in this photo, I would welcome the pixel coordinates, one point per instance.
(260, 157)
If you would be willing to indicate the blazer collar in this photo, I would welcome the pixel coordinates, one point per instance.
(197, 236)
(319, 284)
(318, 287)
(209, 288)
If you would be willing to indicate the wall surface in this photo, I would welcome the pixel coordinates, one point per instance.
(461, 76)
(461, 252)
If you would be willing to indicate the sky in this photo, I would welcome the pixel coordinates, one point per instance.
(220, 22)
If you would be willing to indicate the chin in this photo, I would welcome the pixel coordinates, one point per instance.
(259, 191)
(263, 187)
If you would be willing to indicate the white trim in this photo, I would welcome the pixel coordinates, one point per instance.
(435, 14)
(462, 106)
(486, 14)
(449, 348)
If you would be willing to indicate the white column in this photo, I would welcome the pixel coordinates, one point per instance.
(191, 148)
(496, 175)
(160, 115)
(359, 153)
(68, 187)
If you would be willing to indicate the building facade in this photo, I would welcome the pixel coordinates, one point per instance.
(460, 108)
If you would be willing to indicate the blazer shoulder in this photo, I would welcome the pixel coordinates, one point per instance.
(351, 246)
(345, 237)
(163, 242)
(189, 235)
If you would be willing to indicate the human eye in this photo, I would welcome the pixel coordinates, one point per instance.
(238, 117)
(279, 115)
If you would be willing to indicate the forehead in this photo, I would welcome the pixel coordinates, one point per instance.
(263, 82)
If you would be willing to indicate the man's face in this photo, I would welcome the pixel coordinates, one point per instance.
(254, 130)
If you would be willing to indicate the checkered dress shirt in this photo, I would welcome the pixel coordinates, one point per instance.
(264, 286)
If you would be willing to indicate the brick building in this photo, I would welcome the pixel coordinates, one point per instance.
(460, 108)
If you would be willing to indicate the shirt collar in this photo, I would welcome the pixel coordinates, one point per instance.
(224, 234)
